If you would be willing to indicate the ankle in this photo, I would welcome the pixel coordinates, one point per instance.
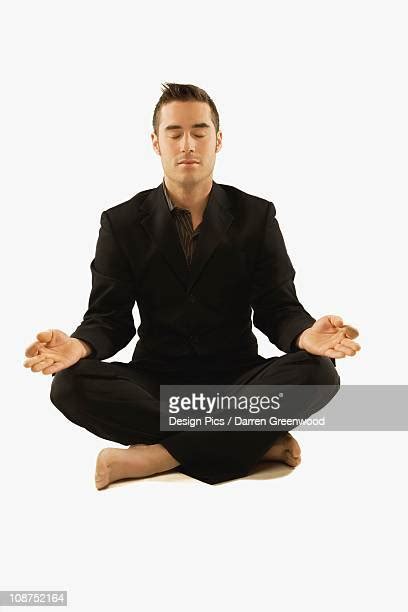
(162, 456)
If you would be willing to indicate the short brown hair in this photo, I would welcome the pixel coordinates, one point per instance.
(184, 92)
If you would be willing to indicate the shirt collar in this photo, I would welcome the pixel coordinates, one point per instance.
(168, 199)
(166, 193)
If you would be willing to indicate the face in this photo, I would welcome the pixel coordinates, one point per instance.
(186, 132)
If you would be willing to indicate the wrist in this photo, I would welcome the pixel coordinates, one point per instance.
(299, 341)
(86, 349)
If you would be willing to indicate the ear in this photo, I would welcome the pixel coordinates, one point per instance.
(155, 143)
(218, 142)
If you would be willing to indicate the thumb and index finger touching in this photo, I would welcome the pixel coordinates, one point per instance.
(350, 332)
(43, 338)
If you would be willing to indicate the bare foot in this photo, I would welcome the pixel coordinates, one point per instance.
(138, 444)
(137, 461)
(286, 450)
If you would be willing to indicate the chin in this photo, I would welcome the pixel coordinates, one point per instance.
(190, 180)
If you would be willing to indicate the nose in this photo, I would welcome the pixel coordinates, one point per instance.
(187, 143)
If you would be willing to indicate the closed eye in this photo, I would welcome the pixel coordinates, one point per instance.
(196, 136)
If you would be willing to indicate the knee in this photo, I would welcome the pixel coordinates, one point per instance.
(63, 391)
(322, 371)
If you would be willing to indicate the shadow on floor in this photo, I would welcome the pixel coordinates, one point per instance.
(266, 470)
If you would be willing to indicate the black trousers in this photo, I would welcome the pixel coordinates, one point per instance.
(120, 402)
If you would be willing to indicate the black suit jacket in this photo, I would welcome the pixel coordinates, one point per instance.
(240, 264)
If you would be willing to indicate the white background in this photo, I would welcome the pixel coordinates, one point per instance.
(312, 99)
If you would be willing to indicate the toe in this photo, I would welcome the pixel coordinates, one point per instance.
(101, 471)
(101, 484)
(290, 459)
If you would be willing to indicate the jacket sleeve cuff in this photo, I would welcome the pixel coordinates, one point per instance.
(292, 332)
(294, 347)
(84, 336)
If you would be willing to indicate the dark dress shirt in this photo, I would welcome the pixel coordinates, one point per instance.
(188, 236)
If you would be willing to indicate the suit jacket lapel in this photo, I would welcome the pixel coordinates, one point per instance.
(213, 230)
(158, 222)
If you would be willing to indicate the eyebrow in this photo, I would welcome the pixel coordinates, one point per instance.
(180, 127)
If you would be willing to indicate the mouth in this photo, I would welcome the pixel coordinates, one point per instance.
(188, 163)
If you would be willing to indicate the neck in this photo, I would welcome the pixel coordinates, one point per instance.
(194, 197)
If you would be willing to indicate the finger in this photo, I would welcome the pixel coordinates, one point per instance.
(334, 354)
(33, 349)
(351, 332)
(53, 369)
(336, 321)
(42, 364)
(354, 345)
(45, 336)
(34, 360)
(31, 361)
(345, 349)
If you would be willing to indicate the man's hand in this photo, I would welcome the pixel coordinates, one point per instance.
(54, 351)
(329, 337)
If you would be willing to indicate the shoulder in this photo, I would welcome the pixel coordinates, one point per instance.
(244, 201)
(126, 211)
(134, 203)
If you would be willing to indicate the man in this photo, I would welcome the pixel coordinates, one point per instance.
(196, 256)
